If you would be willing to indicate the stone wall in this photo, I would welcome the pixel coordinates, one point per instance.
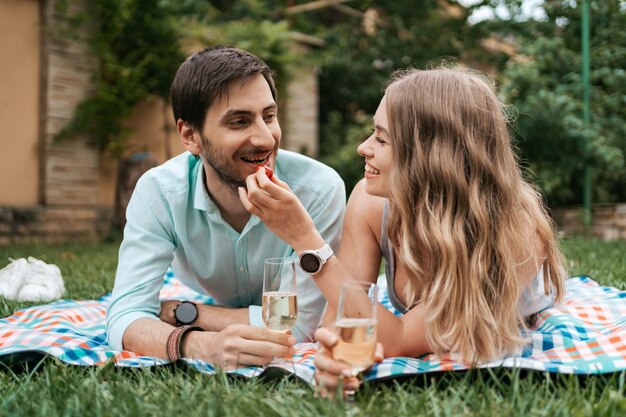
(52, 223)
(608, 221)
(301, 110)
(68, 169)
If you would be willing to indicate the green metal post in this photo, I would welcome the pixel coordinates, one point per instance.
(586, 115)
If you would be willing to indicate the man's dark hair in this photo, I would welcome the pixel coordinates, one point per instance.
(205, 76)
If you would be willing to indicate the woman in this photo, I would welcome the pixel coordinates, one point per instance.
(470, 250)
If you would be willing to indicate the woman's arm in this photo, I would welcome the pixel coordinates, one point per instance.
(281, 211)
(359, 250)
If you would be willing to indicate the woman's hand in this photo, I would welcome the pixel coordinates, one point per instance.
(277, 206)
(331, 374)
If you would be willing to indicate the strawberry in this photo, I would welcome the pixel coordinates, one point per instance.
(268, 171)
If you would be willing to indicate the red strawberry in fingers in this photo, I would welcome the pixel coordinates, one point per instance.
(268, 171)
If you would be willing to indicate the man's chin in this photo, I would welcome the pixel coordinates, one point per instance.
(232, 183)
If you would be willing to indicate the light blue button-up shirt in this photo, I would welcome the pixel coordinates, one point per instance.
(171, 220)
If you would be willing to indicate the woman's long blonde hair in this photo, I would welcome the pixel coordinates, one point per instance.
(462, 218)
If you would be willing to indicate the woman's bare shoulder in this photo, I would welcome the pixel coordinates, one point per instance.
(365, 209)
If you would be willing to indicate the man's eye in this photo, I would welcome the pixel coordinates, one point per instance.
(238, 122)
(269, 117)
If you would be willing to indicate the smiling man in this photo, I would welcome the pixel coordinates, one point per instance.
(187, 213)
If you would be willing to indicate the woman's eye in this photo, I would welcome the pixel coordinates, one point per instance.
(377, 138)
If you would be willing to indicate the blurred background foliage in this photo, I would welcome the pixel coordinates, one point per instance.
(537, 68)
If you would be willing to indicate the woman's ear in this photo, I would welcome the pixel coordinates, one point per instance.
(189, 138)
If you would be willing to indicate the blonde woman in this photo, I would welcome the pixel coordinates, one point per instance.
(470, 251)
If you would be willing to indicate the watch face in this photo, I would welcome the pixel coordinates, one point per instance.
(309, 262)
(186, 313)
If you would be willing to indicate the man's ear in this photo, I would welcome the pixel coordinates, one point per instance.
(189, 137)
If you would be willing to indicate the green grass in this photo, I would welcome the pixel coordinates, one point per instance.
(88, 270)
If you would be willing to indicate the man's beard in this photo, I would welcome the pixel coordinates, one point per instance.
(223, 167)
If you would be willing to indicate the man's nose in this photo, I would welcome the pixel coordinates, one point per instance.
(263, 136)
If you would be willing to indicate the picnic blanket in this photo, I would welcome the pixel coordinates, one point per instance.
(584, 335)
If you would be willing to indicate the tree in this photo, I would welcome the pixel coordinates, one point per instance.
(546, 88)
(137, 42)
(365, 44)
(141, 43)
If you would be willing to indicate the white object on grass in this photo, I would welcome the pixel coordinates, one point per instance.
(32, 280)
(12, 277)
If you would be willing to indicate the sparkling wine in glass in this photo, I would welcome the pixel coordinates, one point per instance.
(280, 297)
(280, 310)
(356, 327)
(357, 343)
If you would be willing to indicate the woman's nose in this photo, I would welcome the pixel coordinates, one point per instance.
(365, 149)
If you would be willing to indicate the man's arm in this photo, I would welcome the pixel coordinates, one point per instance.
(234, 346)
(145, 254)
(132, 323)
(210, 318)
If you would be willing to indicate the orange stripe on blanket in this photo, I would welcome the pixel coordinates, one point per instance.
(125, 354)
(6, 336)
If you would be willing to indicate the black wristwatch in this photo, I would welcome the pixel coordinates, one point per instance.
(185, 313)
(312, 261)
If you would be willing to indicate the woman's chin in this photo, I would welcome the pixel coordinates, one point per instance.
(373, 187)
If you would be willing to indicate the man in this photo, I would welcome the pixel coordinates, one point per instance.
(187, 213)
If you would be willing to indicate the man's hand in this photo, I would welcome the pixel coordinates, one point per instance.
(238, 345)
(167, 311)
(329, 373)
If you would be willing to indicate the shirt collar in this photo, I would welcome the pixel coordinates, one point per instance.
(202, 200)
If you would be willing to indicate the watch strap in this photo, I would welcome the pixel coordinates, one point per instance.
(175, 340)
(325, 252)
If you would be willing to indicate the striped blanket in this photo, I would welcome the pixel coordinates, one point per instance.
(585, 335)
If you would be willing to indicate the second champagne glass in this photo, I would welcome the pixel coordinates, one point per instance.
(356, 327)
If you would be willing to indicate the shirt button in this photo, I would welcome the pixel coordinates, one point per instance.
(241, 268)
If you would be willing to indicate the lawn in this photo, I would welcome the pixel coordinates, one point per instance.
(88, 270)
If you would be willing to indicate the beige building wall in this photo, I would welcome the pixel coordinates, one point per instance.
(19, 102)
(154, 131)
(300, 127)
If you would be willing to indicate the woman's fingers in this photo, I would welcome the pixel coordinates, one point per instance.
(325, 362)
(326, 337)
(273, 186)
(256, 193)
(272, 178)
(253, 209)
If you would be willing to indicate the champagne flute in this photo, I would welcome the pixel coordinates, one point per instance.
(280, 299)
(356, 327)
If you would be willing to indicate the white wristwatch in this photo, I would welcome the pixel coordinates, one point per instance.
(312, 261)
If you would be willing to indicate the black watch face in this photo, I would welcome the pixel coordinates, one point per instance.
(309, 263)
(186, 313)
